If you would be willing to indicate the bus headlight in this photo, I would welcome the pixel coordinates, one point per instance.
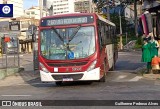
(43, 68)
(92, 66)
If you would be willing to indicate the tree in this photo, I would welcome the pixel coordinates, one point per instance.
(123, 3)
(115, 19)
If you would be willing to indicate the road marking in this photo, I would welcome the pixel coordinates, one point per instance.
(4, 56)
(130, 54)
(121, 76)
(16, 95)
(25, 84)
(137, 78)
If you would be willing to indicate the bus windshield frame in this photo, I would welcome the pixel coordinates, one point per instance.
(67, 43)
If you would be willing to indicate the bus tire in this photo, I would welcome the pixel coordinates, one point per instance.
(113, 67)
(58, 83)
(103, 79)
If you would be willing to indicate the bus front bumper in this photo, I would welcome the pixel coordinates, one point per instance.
(74, 76)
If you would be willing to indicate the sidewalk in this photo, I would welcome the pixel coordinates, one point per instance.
(151, 76)
(9, 71)
(19, 78)
(28, 74)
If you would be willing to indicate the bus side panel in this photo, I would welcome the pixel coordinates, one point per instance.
(103, 60)
(110, 54)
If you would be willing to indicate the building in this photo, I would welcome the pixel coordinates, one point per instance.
(34, 12)
(24, 22)
(17, 6)
(67, 6)
(21, 33)
(129, 11)
(59, 6)
(83, 6)
(25, 38)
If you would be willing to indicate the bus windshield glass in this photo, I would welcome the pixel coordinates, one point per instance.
(67, 43)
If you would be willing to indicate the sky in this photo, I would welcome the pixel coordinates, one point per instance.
(29, 3)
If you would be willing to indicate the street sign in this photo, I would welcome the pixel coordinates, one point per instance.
(14, 25)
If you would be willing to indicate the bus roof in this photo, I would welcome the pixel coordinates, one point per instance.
(105, 20)
(83, 14)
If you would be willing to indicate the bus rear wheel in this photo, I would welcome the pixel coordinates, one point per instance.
(58, 83)
(113, 66)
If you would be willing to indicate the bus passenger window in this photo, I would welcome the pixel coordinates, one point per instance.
(100, 40)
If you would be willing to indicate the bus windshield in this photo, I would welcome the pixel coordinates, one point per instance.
(67, 43)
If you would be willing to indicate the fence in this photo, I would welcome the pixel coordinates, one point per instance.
(9, 53)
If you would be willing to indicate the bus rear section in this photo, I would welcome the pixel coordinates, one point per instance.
(69, 49)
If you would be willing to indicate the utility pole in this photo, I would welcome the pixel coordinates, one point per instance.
(135, 17)
(120, 24)
(90, 6)
(108, 14)
(40, 7)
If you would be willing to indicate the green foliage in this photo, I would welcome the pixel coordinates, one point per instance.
(138, 43)
(137, 46)
(116, 20)
(125, 28)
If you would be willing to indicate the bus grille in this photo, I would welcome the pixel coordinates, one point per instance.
(66, 64)
(73, 76)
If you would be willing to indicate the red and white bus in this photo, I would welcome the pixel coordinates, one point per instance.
(76, 47)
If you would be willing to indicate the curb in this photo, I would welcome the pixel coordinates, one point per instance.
(9, 71)
(152, 76)
(130, 50)
(140, 69)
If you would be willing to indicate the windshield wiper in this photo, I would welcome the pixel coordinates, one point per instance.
(72, 36)
(60, 37)
(75, 32)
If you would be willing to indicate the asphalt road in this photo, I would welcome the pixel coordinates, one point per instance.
(121, 84)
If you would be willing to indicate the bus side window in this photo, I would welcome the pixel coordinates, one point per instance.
(111, 34)
(100, 34)
(107, 33)
(103, 33)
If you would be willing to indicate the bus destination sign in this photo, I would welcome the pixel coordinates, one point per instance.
(67, 20)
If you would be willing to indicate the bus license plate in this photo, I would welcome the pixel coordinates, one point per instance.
(67, 79)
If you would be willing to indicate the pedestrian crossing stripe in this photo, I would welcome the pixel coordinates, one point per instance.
(126, 78)
(137, 78)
